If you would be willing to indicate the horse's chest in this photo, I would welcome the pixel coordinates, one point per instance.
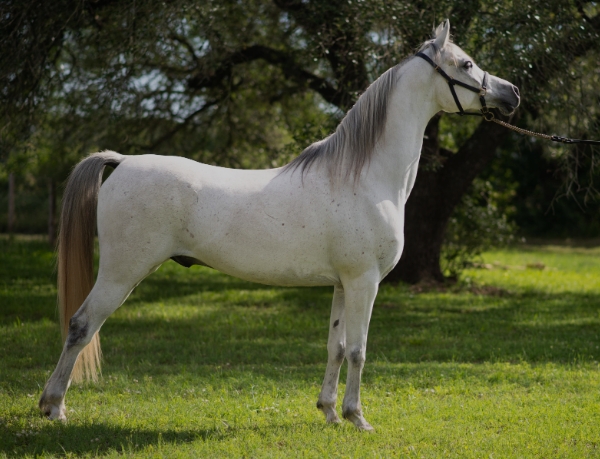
(375, 239)
(388, 250)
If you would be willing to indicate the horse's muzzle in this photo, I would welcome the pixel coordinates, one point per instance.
(510, 103)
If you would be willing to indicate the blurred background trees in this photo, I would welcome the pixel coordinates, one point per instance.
(250, 84)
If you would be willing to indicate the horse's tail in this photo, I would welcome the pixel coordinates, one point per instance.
(76, 251)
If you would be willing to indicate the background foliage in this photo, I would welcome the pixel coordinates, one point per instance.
(250, 84)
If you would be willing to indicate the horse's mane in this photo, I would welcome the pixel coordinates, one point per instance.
(352, 145)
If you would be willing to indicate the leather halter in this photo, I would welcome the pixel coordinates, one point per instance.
(487, 114)
(452, 82)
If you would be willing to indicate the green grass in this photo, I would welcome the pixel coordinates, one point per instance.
(198, 364)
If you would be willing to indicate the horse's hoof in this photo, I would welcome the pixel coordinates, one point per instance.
(359, 421)
(366, 427)
(53, 412)
(331, 416)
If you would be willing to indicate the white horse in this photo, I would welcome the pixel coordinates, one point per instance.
(334, 216)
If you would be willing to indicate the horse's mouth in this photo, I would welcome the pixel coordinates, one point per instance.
(507, 109)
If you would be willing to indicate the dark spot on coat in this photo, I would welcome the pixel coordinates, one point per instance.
(77, 333)
(319, 405)
(336, 323)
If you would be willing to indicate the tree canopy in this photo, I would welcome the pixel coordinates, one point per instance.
(249, 84)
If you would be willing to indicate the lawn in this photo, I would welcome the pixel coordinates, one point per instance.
(198, 364)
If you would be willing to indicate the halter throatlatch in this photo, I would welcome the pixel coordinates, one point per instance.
(452, 82)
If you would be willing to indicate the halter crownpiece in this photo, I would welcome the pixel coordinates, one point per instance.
(452, 82)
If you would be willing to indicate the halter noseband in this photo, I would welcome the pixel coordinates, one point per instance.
(452, 82)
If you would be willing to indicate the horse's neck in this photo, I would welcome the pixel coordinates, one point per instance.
(412, 106)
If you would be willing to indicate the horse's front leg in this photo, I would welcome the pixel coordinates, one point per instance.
(336, 347)
(359, 297)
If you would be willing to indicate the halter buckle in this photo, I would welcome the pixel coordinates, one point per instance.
(483, 92)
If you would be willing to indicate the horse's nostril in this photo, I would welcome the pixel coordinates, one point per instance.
(516, 91)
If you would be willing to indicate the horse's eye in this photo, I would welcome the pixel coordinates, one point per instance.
(468, 65)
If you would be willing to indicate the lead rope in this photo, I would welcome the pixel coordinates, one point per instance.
(489, 116)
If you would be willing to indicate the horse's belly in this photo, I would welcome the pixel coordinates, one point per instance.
(285, 277)
(270, 261)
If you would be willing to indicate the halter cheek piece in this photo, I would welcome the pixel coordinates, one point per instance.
(452, 82)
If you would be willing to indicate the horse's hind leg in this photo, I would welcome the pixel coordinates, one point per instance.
(106, 296)
(104, 299)
(336, 347)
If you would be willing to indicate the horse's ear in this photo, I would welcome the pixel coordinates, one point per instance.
(442, 34)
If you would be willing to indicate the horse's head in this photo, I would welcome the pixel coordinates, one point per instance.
(469, 81)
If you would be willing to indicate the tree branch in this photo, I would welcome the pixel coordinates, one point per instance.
(339, 42)
(187, 45)
(462, 15)
(179, 126)
(291, 69)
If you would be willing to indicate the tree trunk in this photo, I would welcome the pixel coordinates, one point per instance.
(442, 180)
(11, 204)
(52, 212)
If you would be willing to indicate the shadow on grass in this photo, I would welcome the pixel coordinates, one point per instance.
(561, 329)
(63, 439)
(178, 283)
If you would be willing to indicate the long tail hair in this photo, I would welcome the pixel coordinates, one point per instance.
(76, 251)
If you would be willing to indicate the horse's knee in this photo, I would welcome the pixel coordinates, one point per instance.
(356, 356)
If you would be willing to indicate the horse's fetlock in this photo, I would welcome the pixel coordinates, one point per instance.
(348, 412)
(51, 398)
(326, 401)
